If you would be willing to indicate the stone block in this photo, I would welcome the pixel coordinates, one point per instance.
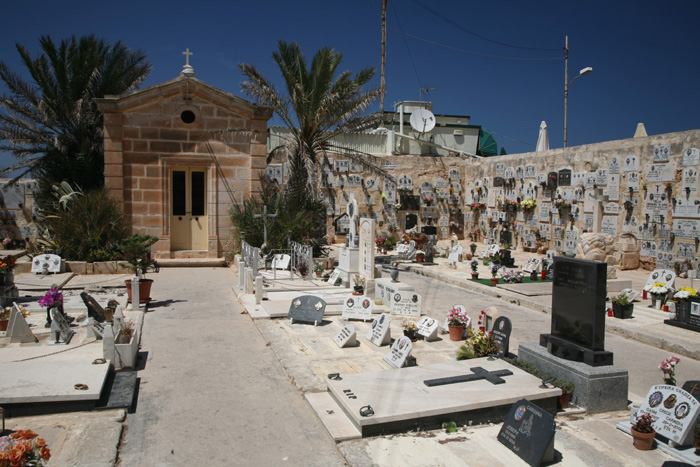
(78, 267)
(598, 389)
(629, 260)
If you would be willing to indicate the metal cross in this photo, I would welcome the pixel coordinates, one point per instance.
(492, 377)
(264, 216)
(187, 54)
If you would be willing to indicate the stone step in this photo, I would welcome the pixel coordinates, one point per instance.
(192, 263)
(332, 416)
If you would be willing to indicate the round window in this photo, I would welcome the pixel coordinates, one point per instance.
(187, 116)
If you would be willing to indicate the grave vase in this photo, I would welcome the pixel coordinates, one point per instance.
(494, 281)
(475, 275)
(456, 333)
(3, 324)
(394, 273)
(533, 276)
(544, 274)
(410, 334)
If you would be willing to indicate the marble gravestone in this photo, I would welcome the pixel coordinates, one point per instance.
(61, 333)
(665, 276)
(578, 312)
(673, 411)
(406, 304)
(380, 332)
(501, 331)
(399, 352)
(347, 337)
(335, 275)
(46, 263)
(428, 328)
(17, 329)
(531, 265)
(281, 262)
(307, 308)
(357, 307)
(528, 431)
(367, 248)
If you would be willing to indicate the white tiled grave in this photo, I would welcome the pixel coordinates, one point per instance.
(277, 303)
(401, 401)
(35, 282)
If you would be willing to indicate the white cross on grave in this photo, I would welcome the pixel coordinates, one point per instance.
(187, 54)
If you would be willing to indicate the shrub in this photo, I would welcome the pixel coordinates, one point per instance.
(88, 227)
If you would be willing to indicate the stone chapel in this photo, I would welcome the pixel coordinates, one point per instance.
(178, 154)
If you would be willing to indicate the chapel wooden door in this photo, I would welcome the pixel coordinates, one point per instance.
(188, 220)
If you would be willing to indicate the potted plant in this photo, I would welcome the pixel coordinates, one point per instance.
(658, 292)
(456, 321)
(479, 344)
(137, 253)
(409, 329)
(318, 269)
(643, 433)
(7, 266)
(567, 389)
(126, 346)
(359, 281)
(420, 256)
(545, 266)
(4, 318)
(53, 299)
(475, 269)
(622, 307)
(494, 274)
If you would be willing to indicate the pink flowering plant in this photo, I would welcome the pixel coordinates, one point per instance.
(52, 298)
(668, 368)
(512, 276)
(457, 317)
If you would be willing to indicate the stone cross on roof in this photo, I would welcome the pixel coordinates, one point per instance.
(187, 54)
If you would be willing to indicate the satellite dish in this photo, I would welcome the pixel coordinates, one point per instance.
(422, 120)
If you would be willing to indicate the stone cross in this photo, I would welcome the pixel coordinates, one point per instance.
(187, 54)
(265, 216)
(492, 377)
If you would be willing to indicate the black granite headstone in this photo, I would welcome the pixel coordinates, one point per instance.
(528, 431)
(501, 335)
(410, 202)
(506, 260)
(411, 220)
(429, 229)
(497, 182)
(506, 237)
(578, 312)
(692, 388)
(307, 308)
(552, 178)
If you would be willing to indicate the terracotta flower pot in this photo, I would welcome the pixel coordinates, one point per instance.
(475, 275)
(144, 290)
(419, 259)
(642, 441)
(564, 400)
(494, 280)
(3, 324)
(456, 333)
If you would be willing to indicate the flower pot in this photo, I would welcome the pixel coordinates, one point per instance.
(544, 275)
(563, 401)
(494, 280)
(622, 311)
(144, 290)
(419, 259)
(3, 324)
(469, 256)
(410, 334)
(456, 333)
(358, 290)
(642, 441)
(475, 275)
(644, 294)
(533, 276)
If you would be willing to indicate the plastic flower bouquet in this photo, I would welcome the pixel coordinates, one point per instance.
(512, 276)
(52, 298)
(23, 447)
(658, 289)
(494, 270)
(668, 367)
(684, 294)
(7, 264)
(457, 317)
(528, 203)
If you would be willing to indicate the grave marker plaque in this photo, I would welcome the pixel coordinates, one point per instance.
(564, 177)
(335, 275)
(428, 328)
(501, 335)
(528, 431)
(578, 312)
(346, 337)
(399, 352)
(46, 264)
(380, 332)
(406, 303)
(357, 307)
(674, 412)
(307, 308)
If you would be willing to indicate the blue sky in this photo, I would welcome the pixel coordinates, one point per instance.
(644, 54)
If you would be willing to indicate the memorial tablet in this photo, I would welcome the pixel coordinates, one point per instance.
(399, 352)
(347, 337)
(673, 411)
(357, 307)
(307, 308)
(406, 304)
(428, 328)
(334, 276)
(501, 331)
(531, 265)
(281, 262)
(380, 332)
(529, 432)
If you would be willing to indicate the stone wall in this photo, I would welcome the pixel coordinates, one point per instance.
(589, 185)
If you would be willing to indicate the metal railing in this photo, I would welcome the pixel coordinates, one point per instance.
(302, 254)
(251, 256)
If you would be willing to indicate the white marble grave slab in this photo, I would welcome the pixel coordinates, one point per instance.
(402, 395)
(347, 337)
(380, 331)
(357, 307)
(674, 412)
(399, 352)
(428, 328)
(406, 304)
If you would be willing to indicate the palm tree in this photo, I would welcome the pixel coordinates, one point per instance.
(317, 107)
(52, 125)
